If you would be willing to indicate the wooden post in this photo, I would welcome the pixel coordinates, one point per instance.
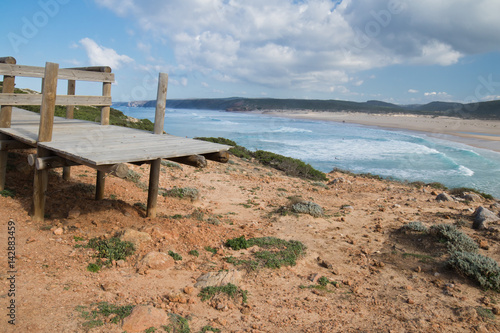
(3, 164)
(47, 110)
(70, 113)
(105, 111)
(5, 119)
(154, 172)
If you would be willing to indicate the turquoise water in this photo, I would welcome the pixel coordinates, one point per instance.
(401, 155)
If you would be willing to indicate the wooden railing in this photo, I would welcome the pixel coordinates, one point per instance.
(50, 74)
(46, 159)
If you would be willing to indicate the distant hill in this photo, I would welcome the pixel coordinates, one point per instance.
(483, 110)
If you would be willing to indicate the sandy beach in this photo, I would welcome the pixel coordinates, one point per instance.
(477, 133)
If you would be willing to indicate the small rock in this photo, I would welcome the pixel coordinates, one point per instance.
(314, 277)
(155, 260)
(216, 279)
(483, 244)
(74, 213)
(473, 197)
(144, 317)
(135, 237)
(444, 197)
(120, 263)
(188, 290)
(482, 217)
(410, 301)
(495, 310)
(58, 231)
(324, 263)
(30, 240)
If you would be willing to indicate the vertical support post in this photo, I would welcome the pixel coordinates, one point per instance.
(105, 111)
(70, 111)
(154, 172)
(47, 110)
(5, 120)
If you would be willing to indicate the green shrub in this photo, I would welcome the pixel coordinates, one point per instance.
(194, 253)
(176, 256)
(415, 226)
(482, 269)
(239, 243)
(456, 240)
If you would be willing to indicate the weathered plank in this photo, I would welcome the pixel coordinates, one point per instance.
(6, 110)
(12, 144)
(161, 101)
(64, 74)
(70, 113)
(36, 99)
(47, 107)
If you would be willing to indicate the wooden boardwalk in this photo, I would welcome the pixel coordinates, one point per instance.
(93, 144)
(65, 142)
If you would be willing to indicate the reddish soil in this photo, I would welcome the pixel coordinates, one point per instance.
(388, 281)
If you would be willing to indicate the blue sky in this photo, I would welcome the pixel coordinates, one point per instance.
(398, 51)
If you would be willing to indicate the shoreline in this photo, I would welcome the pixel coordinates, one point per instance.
(483, 134)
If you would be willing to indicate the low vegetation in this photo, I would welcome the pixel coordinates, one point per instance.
(107, 251)
(184, 192)
(229, 289)
(290, 166)
(274, 253)
(101, 312)
(480, 268)
(463, 256)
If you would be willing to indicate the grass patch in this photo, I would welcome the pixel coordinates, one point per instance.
(194, 253)
(176, 256)
(177, 324)
(211, 249)
(95, 317)
(485, 313)
(422, 257)
(275, 252)
(107, 251)
(209, 328)
(7, 193)
(229, 289)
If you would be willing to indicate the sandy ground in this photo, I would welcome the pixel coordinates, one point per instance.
(387, 280)
(478, 133)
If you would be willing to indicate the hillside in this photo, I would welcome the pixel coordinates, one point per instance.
(365, 263)
(483, 110)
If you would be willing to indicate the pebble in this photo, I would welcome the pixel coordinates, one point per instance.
(58, 231)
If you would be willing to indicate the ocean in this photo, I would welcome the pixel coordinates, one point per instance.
(397, 154)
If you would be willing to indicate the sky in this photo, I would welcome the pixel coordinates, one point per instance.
(398, 51)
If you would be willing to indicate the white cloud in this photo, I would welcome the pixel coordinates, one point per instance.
(412, 91)
(315, 44)
(102, 56)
